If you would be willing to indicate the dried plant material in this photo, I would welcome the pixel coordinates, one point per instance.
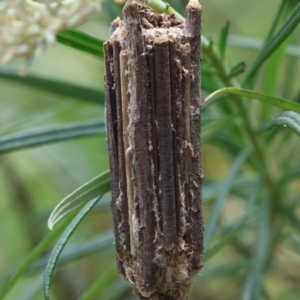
(153, 124)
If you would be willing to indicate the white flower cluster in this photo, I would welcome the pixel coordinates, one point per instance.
(28, 27)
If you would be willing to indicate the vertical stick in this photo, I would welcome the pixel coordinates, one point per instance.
(165, 138)
(180, 134)
(192, 31)
(139, 138)
(152, 101)
(112, 144)
(185, 56)
(122, 200)
(127, 151)
(174, 99)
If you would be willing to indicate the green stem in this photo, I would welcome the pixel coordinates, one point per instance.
(159, 6)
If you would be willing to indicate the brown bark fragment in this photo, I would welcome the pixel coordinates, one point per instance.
(122, 201)
(155, 156)
(174, 95)
(192, 30)
(139, 136)
(112, 144)
(127, 153)
(165, 138)
(153, 125)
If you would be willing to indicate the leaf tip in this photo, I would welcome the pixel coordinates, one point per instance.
(50, 225)
(51, 222)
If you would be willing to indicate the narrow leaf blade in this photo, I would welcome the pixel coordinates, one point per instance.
(282, 34)
(81, 41)
(98, 186)
(223, 36)
(56, 87)
(19, 141)
(61, 244)
(253, 285)
(78, 250)
(33, 256)
(275, 101)
(288, 119)
(238, 69)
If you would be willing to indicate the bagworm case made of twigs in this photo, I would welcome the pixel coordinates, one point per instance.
(153, 125)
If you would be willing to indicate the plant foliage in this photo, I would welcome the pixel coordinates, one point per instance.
(251, 162)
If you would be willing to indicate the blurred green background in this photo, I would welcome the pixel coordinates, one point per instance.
(33, 181)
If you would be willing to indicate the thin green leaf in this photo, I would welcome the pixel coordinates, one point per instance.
(288, 119)
(97, 288)
(272, 71)
(160, 6)
(51, 112)
(61, 88)
(61, 244)
(289, 86)
(224, 191)
(275, 101)
(247, 289)
(34, 254)
(19, 141)
(98, 186)
(238, 69)
(282, 34)
(257, 44)
(236, 227)
(82, 42)
(223, 39)
(271, 77)
(276, 19)
(78, 250)
(253, 284)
